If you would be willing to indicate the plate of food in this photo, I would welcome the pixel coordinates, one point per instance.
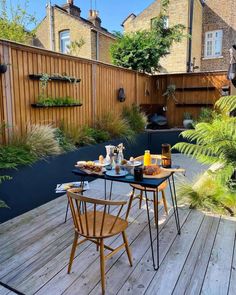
(101, 161)
(131, 163)
(155, 171)
(90, 167)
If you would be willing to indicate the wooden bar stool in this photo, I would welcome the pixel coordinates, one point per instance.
(96, 225)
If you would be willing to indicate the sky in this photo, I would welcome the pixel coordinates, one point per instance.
(112, 12)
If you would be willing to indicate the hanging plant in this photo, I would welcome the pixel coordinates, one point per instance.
(170, 93)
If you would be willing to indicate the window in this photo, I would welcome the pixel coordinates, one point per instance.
(165, 19)
(166, 22)
(213, 44)
(64, 41)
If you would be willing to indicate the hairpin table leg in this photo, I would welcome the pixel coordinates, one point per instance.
(155, 264)
(174, 203)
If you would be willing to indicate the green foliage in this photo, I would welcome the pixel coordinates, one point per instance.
(65, 143)
(79, 135)
(12, 156)
(58, 101)
(207, 193)
(98, 135)
(206, 115)
(170, 92)
(187, 116)
(142, 50)
(214, 142)
(42, 142)
(226, 103)
(115, 126)
(75, 46)
(137, 120)
(14, 20)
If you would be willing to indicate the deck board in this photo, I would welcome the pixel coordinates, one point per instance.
(36, 257)
(192, 275)
(217, 277)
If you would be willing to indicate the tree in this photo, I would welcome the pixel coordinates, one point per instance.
(75, 46)
(143, 50)
(14, 22)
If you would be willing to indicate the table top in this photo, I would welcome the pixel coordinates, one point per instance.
(146, 182)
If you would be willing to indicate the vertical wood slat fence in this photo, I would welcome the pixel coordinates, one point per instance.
(97, 90)
(193, 91)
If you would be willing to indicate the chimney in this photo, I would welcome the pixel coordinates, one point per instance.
(94, 18)
(71, 8)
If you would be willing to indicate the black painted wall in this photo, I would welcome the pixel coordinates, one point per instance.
(34, 185)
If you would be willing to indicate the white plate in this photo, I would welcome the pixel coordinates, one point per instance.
(112, 173)
(99, 164)
(133, 163)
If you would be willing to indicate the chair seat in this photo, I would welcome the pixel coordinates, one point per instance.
(119, 226)
(150, 189)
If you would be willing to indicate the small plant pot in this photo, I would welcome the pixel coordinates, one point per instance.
(3, 68)
(188, 123)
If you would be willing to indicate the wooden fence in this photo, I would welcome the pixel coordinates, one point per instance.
(193, 91)
(97, 90)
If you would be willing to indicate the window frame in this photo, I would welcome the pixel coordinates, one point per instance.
(213, 39)
(64, 40)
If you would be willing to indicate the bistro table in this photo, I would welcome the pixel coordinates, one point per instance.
(146, 183)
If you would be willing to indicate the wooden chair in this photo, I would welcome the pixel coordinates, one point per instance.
(95, 225)
(161, 188)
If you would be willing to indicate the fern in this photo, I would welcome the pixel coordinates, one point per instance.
(226, 103)
(210, 143)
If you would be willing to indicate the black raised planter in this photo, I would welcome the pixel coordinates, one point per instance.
(36, 105)
(55, 78)
(35, 185)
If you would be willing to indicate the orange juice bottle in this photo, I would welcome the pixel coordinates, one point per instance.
(147, 158)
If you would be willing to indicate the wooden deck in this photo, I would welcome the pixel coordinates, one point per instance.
(35, 247)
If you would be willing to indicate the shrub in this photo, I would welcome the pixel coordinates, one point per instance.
(207, 193)
(115, 126)
(65, 143)
(206, 115)
(12, 156)
(79, 135)
(136, 119)
(98, 135)
(42, 142)
(214, 142)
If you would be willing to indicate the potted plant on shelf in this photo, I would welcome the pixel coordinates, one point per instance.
(188, 121)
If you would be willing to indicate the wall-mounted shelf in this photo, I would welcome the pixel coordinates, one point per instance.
(194, 104)
(197, 88)
(35, 105)
(55, 78)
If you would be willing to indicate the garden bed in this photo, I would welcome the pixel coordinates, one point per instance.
(35, 185)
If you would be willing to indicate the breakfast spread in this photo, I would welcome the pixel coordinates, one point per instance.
(90, 166)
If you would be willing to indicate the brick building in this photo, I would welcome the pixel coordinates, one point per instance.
(211, 23)
(219, 33)
(64, 24)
